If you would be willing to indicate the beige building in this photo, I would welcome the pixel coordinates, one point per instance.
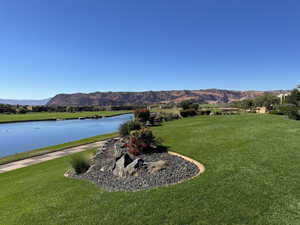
(283, 97)
(261, 110)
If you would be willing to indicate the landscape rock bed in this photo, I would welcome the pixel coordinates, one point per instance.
(101, 172)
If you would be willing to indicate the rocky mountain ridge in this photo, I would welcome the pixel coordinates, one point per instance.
(154, 97)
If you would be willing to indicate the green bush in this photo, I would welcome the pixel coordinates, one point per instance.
(284, 109)
(142, 115)
(129, 126)
(290, 110)
(80, 163)
(170, 116)
(294, 97)
(205, 112)
(217, 112)
(188, 104)
(158, 117)
(188, 112)
(294, 114)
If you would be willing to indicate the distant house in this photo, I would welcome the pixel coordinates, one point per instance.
(261, 110)
(29, 108)
(283, 97)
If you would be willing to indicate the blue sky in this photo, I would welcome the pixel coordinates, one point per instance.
(66, 46)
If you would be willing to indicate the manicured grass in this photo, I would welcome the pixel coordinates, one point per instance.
(42, 151)
(173, 110)
(252, 177)
(210, 105)
(4, 118)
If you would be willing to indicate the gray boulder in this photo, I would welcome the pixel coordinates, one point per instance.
(126, 166)
(121, 164)
(133, 167)
(154, 167)
(118, 152)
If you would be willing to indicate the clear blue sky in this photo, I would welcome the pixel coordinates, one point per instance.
(66, 46)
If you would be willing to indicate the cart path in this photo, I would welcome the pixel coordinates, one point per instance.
(49, 156)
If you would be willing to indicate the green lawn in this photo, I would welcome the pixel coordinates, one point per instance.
(173, 110)
(4, 118)
(252, 177)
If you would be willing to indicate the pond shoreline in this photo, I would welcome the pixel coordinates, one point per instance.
(62, 119)
(38, 146)
(50, 149)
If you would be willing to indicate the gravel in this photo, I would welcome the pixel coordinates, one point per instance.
(101, 173)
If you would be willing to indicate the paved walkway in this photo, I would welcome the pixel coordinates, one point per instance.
(43, 158)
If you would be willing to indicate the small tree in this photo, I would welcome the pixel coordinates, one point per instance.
(294, 97)
(247, 104)
(188, 104)
(22, 110)
(70, 109)
(267, 100)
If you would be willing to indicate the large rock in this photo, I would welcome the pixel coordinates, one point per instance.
(118, 152)
(133, 167)
(126, 166)
(121, 164)
(154, 167)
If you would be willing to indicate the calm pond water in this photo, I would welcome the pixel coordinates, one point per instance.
(21, 137)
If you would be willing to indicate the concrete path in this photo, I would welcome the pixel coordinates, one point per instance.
(43, 158)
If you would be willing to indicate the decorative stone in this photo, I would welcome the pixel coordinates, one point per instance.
(129, 173)
(90, 169)
(121, 163)
(154, 167)
(131, 169)
(148, 124)
(126, 166)
(118, 152)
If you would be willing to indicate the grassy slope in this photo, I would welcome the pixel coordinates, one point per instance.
(173, 110)
(252, 177)
(41, 151)
(54, 115)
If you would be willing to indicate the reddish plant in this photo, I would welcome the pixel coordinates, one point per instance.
(142, 114)
(142, 141)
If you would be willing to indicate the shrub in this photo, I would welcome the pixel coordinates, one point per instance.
(205, 112)
(127, 127)
(142, 141)
(170, 116)
(22, 111)
(217, 112)
(142, 115)
(294, 97)
(188, 112)
(290, 110)
(294, 114)
(157, 117)
(80, 163)
(188, 104)
(284, 109)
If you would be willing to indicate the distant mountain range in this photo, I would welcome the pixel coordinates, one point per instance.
(24, 102)
(154, 97)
